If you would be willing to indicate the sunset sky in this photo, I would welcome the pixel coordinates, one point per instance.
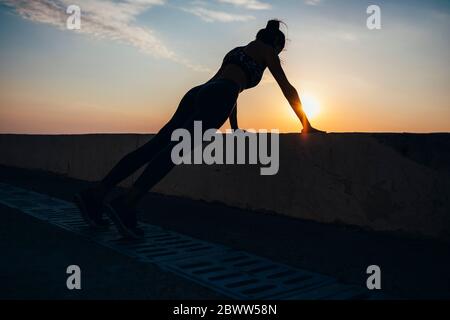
(132, 61)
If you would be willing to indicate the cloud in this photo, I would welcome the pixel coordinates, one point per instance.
(249, 4)
(347, 36)
(106, 19)
(220, 16)
(313, 2)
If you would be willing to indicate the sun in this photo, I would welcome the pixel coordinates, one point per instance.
(311, 105)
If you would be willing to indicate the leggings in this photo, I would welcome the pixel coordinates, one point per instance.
(211, 103)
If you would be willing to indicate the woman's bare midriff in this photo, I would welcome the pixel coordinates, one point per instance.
(234, 73)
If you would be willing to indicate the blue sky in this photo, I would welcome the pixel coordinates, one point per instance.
(132, 61)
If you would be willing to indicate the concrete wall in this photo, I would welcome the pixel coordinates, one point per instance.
(384, 182)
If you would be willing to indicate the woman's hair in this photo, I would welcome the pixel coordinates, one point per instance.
(272, 35)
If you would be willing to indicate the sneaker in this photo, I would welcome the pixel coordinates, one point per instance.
(124, 218)
(91, 209)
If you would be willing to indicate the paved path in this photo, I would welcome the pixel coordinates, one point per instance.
(412, 268)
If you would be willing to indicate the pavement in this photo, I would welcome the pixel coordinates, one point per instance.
(35, 254)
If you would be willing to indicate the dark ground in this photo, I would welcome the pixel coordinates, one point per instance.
(35, 254)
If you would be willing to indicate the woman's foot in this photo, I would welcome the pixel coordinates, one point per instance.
(91, 208)
(124, 218)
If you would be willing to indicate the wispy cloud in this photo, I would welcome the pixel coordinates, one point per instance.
(106, 19)
(249, 4)
(313, 2)
(214, 15)
(347, 36)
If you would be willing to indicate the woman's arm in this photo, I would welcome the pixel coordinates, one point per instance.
(291, 94)
(233, 119)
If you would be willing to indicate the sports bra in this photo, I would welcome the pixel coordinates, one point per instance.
(253, 70)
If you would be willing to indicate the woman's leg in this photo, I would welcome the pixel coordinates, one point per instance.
(136, 159)
(213, 107)
(122, 209)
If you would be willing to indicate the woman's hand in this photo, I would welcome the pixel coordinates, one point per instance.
(312, 130)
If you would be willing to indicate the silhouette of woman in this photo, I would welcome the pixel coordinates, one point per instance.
(212, 103)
